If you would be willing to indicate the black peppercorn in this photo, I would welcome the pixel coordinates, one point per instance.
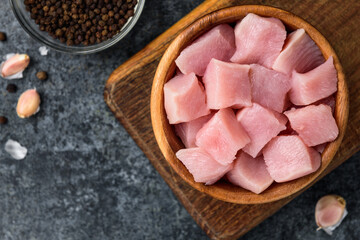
(80, 21)
(42, 75)
(11, 88)
(2, 36)
(3, 120)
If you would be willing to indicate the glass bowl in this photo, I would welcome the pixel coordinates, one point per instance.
(43, 37)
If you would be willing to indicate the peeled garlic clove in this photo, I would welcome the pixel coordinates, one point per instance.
(329, 212)
(28, 103)
(15, 64)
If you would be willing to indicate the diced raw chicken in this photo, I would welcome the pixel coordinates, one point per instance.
(187, 131)
(280, 117)
(288, 130)
(184, 99)
(222, 136)
(218, 43)
(227, 85)
(300, 53)
(330, 101)
(261, 124)
(314, 85)
(202, 166)
(178, 72)
(258, 40)
(315, 124)
(269, 88)
(320, 148)
(250, 173)
(288, 158)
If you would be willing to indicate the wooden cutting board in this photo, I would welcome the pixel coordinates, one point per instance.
(127, 92)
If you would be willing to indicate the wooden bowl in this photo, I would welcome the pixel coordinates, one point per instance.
(169, 143)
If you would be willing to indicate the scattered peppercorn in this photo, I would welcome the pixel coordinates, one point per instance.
(42, 75)
(2, 36)
(11, 88)
(3, 120)
(81, 21)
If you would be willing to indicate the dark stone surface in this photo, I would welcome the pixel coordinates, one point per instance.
(84, 177)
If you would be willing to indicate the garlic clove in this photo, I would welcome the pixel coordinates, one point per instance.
(329, 212)
(15, 64)
(28, 103)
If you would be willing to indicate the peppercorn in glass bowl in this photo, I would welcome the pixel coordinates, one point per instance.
(77, 26)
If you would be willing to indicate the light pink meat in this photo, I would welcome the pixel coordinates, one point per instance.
(227, 85)
(330, 101)
(222, 136)
(187, 131)
(269, 88)
(218, 43)
(184, 99)
(300, 53)
(315, 124)
(202, 166)
(178, 72)
(320, 148)
(283, 120)
(314, 85)
(258, 40)
(288, 158)
(250, 173)
(288, 130)
(261, 124)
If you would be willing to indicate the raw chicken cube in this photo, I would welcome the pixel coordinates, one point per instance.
(314, 85)
(288, 158)
(178, 72)
(227, 85)
(187, 131)
(269, 88)
(288, 130)
(258, 40)
(218, 43)
(202, 166)
(250, 173)
(300, 53)
(184, 99)
(315, 124)
(320, 148)
(330, 101)
(222, 136)
(261, 124)
(283, 120)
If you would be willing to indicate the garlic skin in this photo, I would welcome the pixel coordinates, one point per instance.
(43, 50)
(28, 103)
(15, 64)
(16, 151)
(330, 210)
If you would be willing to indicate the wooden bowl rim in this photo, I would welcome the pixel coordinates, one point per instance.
(226, 191)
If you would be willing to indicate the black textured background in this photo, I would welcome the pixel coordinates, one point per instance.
(84, 178)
